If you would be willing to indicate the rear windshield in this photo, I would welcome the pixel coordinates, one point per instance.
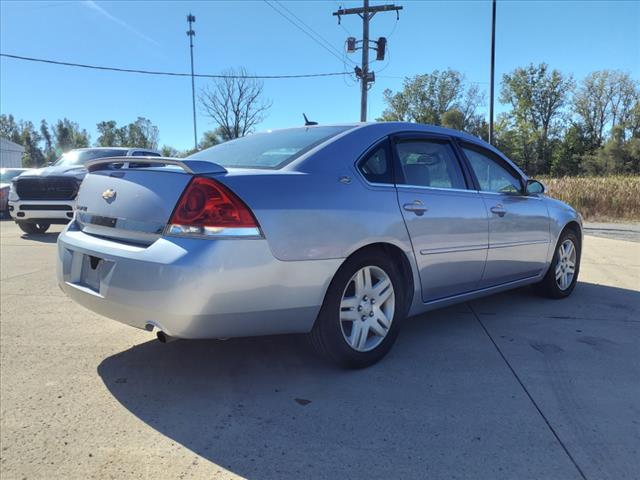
(269, 149)
(80, 157)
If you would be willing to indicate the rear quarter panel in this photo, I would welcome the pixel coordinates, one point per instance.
(314, 216)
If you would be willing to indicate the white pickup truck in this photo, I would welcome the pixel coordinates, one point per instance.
(47, 195)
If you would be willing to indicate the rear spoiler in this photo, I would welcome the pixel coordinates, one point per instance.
(194, 167)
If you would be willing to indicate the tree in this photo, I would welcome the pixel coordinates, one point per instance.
(141, 134)
(604, 100)
(108, 134)
(568, 155)
(9, 128)
(168, 151)
(537, 96)
(211, 138)
(69, 136)
(437, 98)
(235, 103)
(49, 152)
(32, 156)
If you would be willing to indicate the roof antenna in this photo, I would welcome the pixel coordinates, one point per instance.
(307, 122)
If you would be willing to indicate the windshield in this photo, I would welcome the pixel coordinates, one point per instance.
(80, 157)
(7, 175)
(272, 149)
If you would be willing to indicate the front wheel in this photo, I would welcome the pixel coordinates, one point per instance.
(562, 276)
(362, 312)
(33, 228)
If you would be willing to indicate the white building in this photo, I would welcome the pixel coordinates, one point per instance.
(10, 154)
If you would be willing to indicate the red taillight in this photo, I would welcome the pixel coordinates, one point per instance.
(207, 207)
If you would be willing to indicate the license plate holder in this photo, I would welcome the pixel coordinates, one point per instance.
(90, 272)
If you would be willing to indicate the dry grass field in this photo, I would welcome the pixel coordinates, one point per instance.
(610, 198)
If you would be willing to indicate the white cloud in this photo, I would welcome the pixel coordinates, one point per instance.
(91, 4)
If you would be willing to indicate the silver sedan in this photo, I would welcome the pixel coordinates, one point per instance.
(338, 231)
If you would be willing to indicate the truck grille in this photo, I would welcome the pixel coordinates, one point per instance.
(47, 188)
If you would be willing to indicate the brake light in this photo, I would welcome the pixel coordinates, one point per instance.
(208, 208)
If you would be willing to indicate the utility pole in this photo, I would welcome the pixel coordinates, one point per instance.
(191, 19)
(366, 77)
(493, 63)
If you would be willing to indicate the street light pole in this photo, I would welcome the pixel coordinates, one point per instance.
(493, 62)
(191, 19)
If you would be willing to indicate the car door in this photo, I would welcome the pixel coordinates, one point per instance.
(447, 221)
(518, 223)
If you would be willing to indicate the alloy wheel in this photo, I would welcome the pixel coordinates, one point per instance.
(566, 264)
(367, 308)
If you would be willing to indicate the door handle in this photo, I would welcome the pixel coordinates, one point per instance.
(498, 210)
(416, 207)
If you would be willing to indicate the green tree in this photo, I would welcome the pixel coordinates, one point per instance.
(68, 135)
(537, 96)
(9, 129)
(30, 138)
(139, 134)
(568, 154)
(436, 98)
(211, 138)
(604, 100)
(453, 118)
(168, 151)
(48, 151)
(107, 134)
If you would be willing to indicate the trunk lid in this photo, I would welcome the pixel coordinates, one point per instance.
(133, 204)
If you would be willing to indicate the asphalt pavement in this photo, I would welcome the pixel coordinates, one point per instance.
(512, 386)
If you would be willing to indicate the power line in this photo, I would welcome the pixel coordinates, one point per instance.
(330, 50)
(171, 74)
(320, 37)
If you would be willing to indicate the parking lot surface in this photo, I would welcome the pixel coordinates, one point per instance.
(508, 387)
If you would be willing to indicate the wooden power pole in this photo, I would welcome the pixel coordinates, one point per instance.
(366, 77)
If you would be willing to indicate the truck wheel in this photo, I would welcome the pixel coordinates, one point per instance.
(33, 228)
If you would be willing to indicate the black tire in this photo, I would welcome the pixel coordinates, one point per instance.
(33, 228)
(327, 334)
(549, 287)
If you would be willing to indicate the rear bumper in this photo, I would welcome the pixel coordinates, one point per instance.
(192, 288)
(52, 211)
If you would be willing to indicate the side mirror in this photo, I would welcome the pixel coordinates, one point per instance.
(534, 187)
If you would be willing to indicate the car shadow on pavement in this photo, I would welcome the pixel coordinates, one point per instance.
(49, 237)
(442, 401)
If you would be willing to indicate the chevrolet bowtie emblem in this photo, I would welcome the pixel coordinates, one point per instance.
(109, 195)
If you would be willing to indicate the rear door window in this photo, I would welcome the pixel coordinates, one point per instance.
(430, 163)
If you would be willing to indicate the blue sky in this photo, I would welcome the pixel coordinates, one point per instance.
(574, 36)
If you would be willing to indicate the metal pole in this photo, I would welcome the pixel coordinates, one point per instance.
(364, 81)
(191, 33)
(493, 62)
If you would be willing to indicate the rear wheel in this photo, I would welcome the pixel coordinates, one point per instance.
(562, 276)
(33, 228)
(362, 312)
